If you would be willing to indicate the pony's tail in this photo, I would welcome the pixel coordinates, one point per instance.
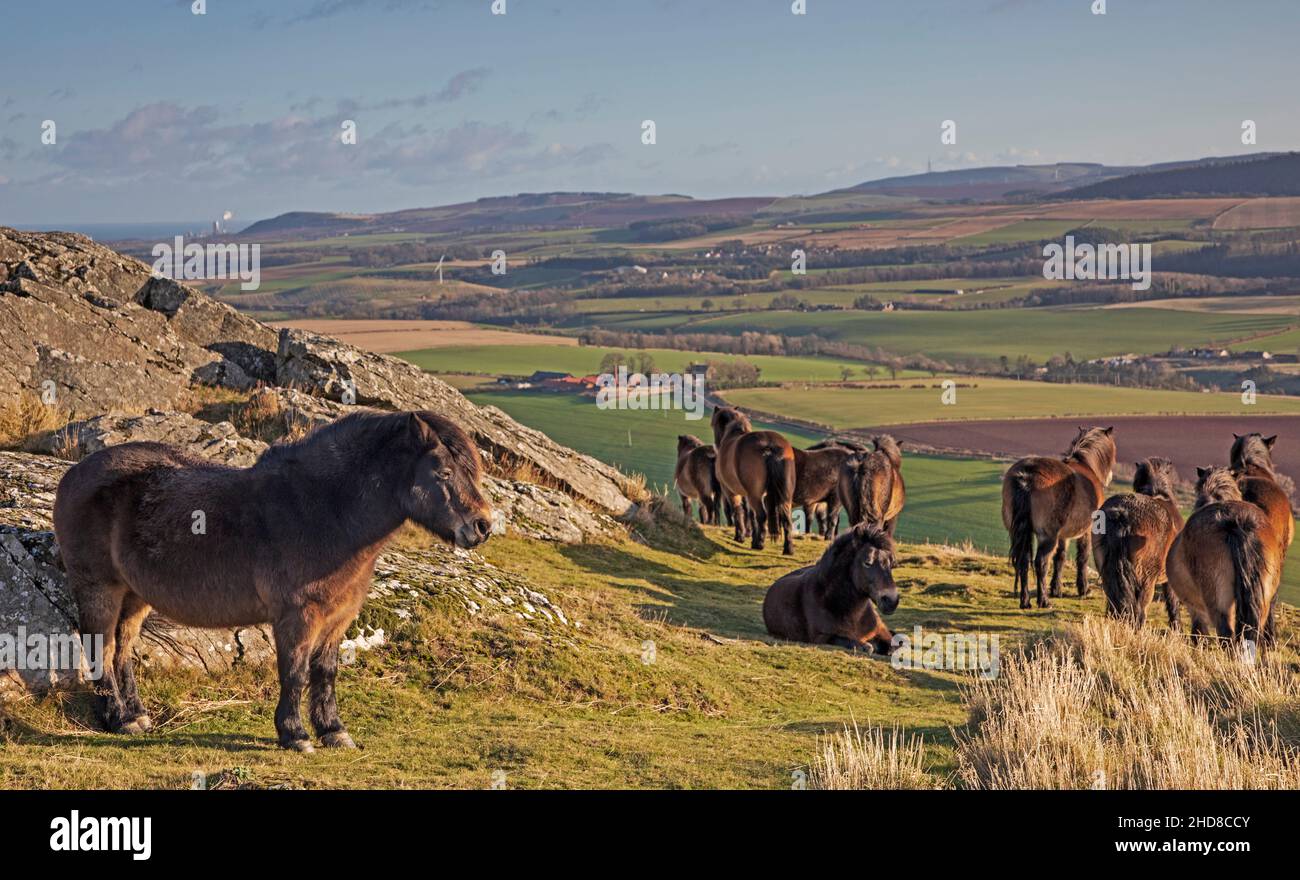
(1247, 551)
(779, 491)
(1022, 524)
(1118, 575)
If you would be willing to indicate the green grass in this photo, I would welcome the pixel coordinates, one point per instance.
(987, 335)
(454, 700)
(523, 360)
(842, 408)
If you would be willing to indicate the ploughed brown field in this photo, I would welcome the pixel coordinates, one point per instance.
(1187, 441)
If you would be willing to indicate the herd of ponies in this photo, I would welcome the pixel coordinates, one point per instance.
(1223, 564)
(292, 540)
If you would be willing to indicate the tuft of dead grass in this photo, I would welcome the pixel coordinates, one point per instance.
(1102, 705)
(871, 759)
(25, 417)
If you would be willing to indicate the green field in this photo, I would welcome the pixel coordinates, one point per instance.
(523, 360)
(951, 500)
(990, 334)
(986, 398)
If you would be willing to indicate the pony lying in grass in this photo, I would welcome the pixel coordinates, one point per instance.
(839, 600)
(290, 541)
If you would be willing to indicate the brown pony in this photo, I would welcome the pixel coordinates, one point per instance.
(696, 478)
(870, 485)
(759, 467)
(291, 541)
(1226, 563)
(817, 471)
(1139, 530)
(1252, 463)
(835, 602)
(1052, 500)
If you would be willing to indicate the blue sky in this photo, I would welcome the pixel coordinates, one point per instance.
(165, 115)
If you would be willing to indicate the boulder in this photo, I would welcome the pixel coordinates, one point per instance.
(325, 367)
(217, 441)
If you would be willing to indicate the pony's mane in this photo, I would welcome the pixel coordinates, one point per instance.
(1095, 449)
(834, 564)
(688, 441)
(1217, 484)
(1251, 451)
(889, 446)
(1155, 477)
(373, 432)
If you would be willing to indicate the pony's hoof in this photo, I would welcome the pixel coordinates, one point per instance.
(299, 745)
(1025, 604)
(138, 724)
(1043, 603)
(337, 739)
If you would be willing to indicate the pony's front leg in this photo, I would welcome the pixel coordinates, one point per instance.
(292, 656)
(323, 705)
(1082, 550)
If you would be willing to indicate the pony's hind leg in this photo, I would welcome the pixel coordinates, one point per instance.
(294, 640)
(99, 607)
(787, 527)
(1041, 558)
(1082, 550)
(134, 611)
(323, 708)
(1058, 563)
(1171, 608)
(758, 511)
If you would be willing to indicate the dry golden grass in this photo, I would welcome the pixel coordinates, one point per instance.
(871, 759)
(383, 336)
(1104, 706)
(26, 416)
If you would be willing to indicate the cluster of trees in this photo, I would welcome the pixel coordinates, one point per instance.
(1143, 373)
(682, 227)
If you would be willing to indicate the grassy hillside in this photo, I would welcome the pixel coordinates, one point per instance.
(670, 681)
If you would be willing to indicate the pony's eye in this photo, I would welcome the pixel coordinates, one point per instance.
(445, 473)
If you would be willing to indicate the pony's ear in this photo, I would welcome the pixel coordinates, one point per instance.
(1109, 431)
(421, 434)
(1269, 441)
(1236, 436)
(1203, 472)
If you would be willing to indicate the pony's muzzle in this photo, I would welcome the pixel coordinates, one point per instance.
(888, 603)
(474, 532)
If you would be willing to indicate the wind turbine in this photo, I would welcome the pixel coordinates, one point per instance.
(440, 259)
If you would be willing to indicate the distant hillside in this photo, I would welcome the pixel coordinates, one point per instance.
(1001, 181)
(558, 210)
(1271, 175)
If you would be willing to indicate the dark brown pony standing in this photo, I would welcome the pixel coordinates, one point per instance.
(291, 541)
(1139, 530)
(839, 600)
(1251, 458)
(757, 466)
(1226, 563)
(817, 472)
(696, 478)
(870, 485)
(1052, 500)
